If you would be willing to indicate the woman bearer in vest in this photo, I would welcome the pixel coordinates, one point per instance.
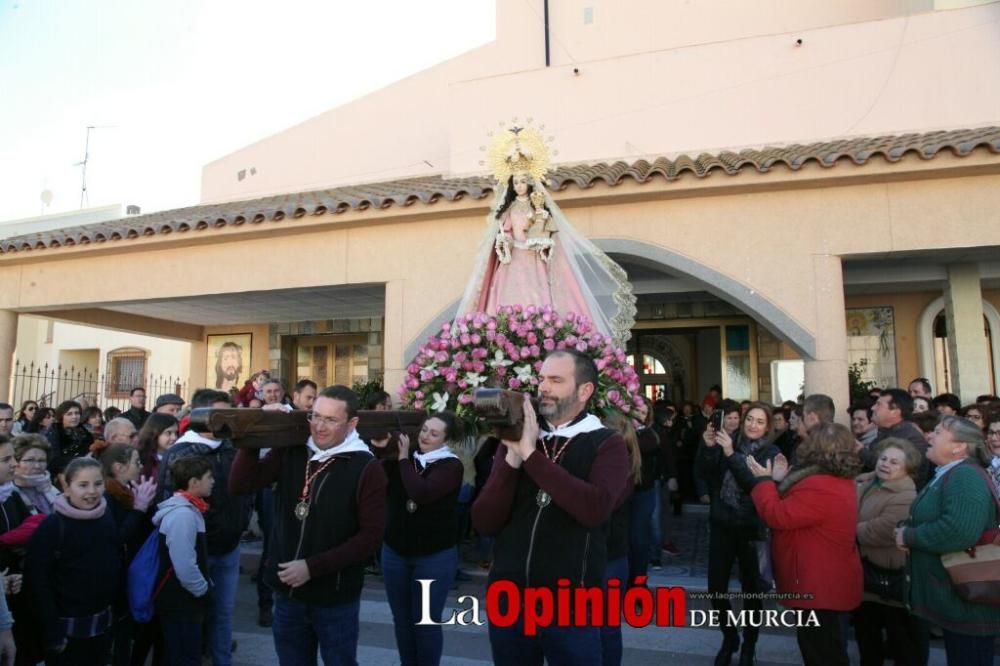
(421, 534)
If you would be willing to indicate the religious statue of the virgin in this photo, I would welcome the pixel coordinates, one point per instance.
(532, 255)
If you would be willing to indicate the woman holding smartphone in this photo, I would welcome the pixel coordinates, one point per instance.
(734, 525)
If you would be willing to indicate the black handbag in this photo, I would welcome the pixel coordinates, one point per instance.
(887, 584)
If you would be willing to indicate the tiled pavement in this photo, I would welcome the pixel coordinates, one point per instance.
(469, 646)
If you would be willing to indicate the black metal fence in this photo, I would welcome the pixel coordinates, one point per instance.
(49, 385)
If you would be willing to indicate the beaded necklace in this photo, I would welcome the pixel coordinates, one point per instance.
(302, 508)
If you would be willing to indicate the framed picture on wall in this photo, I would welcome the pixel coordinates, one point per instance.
(871, 344)
(228, 360)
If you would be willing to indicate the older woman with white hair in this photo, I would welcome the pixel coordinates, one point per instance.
(950, 514)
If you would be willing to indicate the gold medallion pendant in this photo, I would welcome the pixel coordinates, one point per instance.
(411, 506)
(543, 498)
(302, 510)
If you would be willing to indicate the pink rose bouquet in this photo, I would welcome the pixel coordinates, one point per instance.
(506, 351)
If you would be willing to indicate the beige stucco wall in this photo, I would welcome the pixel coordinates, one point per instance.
(655, 78)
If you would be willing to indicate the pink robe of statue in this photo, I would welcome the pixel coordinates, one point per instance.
(528, 279)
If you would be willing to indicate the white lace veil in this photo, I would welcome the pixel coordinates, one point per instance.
(603, 283)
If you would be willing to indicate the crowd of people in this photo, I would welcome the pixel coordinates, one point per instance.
(847, 523)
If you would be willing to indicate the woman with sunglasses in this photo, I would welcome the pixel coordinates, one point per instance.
(42, 420)
(24, 416)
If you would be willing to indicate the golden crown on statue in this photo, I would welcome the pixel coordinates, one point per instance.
(518, 148)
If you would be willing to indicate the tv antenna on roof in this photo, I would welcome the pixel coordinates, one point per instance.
(86, 158)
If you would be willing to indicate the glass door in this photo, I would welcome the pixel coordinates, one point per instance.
(332, 359)
(739, 362)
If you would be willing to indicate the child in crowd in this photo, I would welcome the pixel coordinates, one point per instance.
(74, 570)
(129, 499)
(183, 581)
(157, 435)
(129, 496)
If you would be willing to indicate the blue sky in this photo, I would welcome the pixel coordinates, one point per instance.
(175, 84)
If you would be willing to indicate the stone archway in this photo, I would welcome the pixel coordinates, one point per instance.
(744, 297)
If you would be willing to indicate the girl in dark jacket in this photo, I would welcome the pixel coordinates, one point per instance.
(421, 534)
(74, 570)
(158, 434)
(68, 437)
(735, 527)
(129, 499)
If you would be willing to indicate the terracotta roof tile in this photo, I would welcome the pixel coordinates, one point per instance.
(428, 190)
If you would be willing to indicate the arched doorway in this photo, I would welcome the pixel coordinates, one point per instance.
(663, 368)
(932, 344)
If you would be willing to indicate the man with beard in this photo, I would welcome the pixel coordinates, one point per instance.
(547, 499)
(228, 366)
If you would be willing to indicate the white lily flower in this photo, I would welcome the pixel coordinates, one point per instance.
(524, 373)
(499, 361)
(475, 379)
(439, 402)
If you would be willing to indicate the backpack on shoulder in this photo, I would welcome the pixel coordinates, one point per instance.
(143, 587)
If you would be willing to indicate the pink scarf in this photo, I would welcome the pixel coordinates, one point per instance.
(62, 505)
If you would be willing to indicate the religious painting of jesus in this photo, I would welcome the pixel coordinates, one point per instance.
(229, 356)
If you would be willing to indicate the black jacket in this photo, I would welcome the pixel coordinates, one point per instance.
(714, 465)
(136, 416)
(133, 525)
(332, 520)
(542, 542)
(66, 445)
(13, 512)
(228, 515)
(419, 528)
(74, 568)
(173, 601)
(651, 455)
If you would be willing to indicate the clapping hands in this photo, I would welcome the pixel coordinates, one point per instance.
(776, 469)
(143, 493)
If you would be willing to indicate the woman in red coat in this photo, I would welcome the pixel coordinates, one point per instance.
(813, 513)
